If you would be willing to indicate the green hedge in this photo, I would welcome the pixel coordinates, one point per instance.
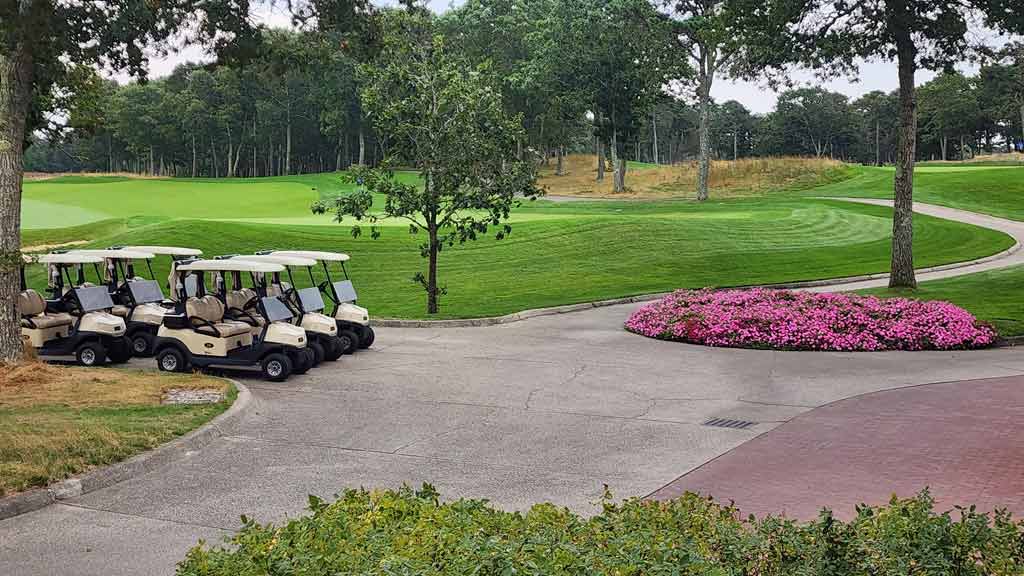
(412, 533)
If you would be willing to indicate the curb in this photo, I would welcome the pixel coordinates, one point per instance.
(137, 465)
(535, 312)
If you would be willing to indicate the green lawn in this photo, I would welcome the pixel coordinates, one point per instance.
(596, 250)
(995, 190)
(995, 296)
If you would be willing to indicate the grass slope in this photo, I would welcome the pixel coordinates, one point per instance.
(600, 250)
(995, 190)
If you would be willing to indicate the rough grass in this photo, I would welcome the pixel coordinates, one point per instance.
(596, 250)
(58, 421)
(745, 177)
(993, 296)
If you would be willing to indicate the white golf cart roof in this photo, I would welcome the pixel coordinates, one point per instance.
(166, 250)
(69, 258)
(313, 254)
(118, 254)
(281, 259)
(230, 265)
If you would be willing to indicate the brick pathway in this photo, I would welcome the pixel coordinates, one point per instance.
(964, 440)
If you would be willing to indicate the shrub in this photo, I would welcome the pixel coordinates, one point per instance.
(407, 532)
(785, 320)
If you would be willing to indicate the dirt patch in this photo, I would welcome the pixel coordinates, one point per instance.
(34, 383)
(49, 247)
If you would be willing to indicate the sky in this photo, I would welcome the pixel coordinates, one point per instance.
(756, 97)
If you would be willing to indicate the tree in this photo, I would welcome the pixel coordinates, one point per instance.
(875, 111)
(732, 127)
(712, 45)
(814, 120)
(831, 36)
(41, 43)
(948, 107)
(448, 121)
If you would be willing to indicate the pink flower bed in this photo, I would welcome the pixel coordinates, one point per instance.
(780, 319)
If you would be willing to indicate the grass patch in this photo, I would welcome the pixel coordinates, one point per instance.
(995, 190)
(993, 296)
(598, 250)
(59, 421)
(745, 177)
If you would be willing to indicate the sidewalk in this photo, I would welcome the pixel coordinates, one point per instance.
(963, 440)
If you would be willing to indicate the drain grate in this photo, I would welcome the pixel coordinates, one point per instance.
(730, 423)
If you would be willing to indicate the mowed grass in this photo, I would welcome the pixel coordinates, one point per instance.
(59, 421)
(993, 296)
(995, 190)
(596, 251)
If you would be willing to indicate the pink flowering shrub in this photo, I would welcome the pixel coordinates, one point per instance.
(785, 320)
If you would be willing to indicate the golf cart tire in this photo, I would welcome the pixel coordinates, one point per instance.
(171, 360)
(351, 338)
(318, 352)
(91, 353)
(276, 367)
(366, 337)
(142, 343)
(301, 361)
(333, 349)
(119, 351)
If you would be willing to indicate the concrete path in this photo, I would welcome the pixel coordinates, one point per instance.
(960, 439)
(547, 409)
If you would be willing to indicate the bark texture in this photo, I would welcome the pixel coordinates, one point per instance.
(15, 94)
(704, 161)
(902, 270)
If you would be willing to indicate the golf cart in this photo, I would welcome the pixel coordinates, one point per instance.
(177, 254)
(138, 300)
(306, 303)
(196, 333)
(353, 321)
(77, 320)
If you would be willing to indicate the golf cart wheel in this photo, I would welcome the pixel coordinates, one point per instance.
(318, 352)
(349, 341)
(333, 349)
(171, 360)
(301, 361)
(91, 354)
(276, 367)
(142, 344)
(366, 337)
(119, 351)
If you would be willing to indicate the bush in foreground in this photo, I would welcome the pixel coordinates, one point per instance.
(786, 320)
(406, 532)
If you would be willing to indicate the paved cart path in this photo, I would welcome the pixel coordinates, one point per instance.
(550, 408)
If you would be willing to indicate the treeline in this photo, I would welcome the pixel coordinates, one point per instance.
(611, 87)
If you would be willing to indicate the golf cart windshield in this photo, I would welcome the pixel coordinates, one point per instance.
(94, 298)
(345, 290)
(311, 299)
(145, 291)
(275, 309)
(191, 285)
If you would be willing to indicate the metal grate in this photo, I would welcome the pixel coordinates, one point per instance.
(730, 423)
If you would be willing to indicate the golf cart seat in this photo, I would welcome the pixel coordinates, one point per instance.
(206, 316)
(120, 310)
(32, 308)
(237, 301)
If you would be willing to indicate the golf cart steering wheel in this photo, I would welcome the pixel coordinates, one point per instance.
(69, 303)
(323, 287)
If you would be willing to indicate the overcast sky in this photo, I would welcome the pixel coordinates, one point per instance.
(758, 98)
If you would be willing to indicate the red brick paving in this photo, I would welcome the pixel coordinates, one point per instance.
(964, 440)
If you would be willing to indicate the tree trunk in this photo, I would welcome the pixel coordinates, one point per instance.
(231, 154)
(620, 174)
(337, 157)
(560, 168)
(1022, 121)
(151, 160)
(432, 272)
(600, 158)
(735, 146)
(902, 269)
(362, 146)
(654, 136)
(962, 157)
(944, 142)
(704, 161)
(194, 157)
(288, 145)
(616, 184)
(878, 149)
(15, 96)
